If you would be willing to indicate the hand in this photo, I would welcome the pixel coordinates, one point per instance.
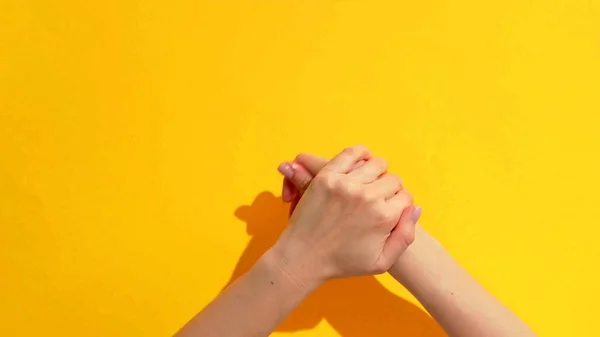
(299, 174)
(352, 220)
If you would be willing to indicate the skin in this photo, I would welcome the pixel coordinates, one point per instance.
(457, 301)
(353, 219)
(372, 311)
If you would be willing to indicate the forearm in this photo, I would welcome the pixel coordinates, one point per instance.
(458, 303)
(253, 305)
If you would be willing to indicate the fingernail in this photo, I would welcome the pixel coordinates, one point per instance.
(286, 169)
(416, 213)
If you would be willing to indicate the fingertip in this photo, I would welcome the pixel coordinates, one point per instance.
(416, 213)
(286, 170)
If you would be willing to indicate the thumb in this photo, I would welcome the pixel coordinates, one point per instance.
(297, 175)
(402, 235)
(311, 163)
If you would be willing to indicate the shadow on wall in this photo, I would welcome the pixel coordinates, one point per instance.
(358, 306)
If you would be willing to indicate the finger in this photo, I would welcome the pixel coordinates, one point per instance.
(314, 164)
(344, 162)
(293, 204)
(401, 236)
(287, 188)
(359, 164)
(300, 181)
(297, 175)
(416, 214)
(371, 170)
(386, 186)
(302, 177)
(311, 163)
(288, 191)
(401, 200)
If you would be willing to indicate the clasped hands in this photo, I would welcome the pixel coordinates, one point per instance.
(349, 217)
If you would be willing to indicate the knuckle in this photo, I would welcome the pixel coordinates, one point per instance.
(382, 163)
(395, 179)
(361, 148)
(325, 181)
(339, 188)
(405, 197)
(393, 182)
(351, 151)
(368, 196)
(349, 189)
(357, 150)
(409, 238)
(409, 197)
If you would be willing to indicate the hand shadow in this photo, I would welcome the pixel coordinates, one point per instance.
(359, 306)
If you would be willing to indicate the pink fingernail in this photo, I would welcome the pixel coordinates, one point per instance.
(416, 213)
(286, 169)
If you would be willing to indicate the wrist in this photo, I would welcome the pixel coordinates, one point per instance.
(416, 256)
(295, 268)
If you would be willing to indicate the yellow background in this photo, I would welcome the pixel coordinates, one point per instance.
(133, 132)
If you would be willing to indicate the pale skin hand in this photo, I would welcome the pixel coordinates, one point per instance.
(458, 303)
(352, 220)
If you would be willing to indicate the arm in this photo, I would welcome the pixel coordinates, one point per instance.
(457, 302)
(351, 221)
(255, 303)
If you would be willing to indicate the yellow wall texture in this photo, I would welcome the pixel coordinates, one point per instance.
(139, 141)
